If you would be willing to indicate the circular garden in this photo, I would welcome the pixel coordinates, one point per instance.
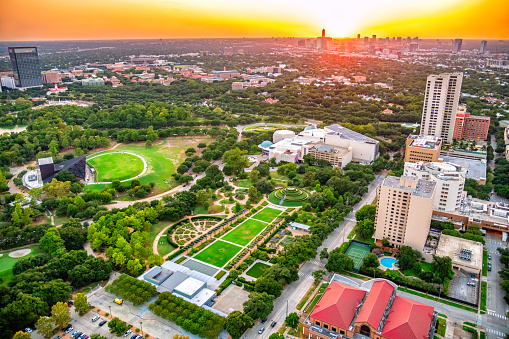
(116, 166)
(294, 196)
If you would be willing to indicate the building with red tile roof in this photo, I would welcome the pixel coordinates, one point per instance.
(372, 310)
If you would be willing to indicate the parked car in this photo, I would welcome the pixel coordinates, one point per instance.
(94, 319)
(263, 321)
(134, 336)
(102, 322)
(69, 330)
(471, 283)
(28, 330)
(127, 333)
(489, 268)
(273, 324)
(489, 256)
(261, 330)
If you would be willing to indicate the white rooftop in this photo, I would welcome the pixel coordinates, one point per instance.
(202, 297)
(189, 286)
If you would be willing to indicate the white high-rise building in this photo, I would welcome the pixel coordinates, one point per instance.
(450, 179)
(440, 105)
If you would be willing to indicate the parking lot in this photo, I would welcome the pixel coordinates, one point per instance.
(459, 287)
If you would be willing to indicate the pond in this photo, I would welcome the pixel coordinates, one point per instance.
(12, 129)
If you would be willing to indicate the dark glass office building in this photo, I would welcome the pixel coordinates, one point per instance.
(25, 66)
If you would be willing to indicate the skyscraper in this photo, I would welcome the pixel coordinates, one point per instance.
(323, 33)
(25, 66)
(366, 40)
(440, 105)
(457, 46)
(373, 39)
(358, 38)
(484, 46)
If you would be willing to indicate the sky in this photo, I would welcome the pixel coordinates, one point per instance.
(139, 19)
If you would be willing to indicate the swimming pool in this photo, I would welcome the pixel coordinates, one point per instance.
(387, 262)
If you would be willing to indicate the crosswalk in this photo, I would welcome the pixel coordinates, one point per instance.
(305, 275)
(497, 333)
(350, 219)
(496, 242)
(317, 263)
(494, 314)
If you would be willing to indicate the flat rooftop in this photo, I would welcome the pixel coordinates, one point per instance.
(425, 141)
(476, 169)
(346, 133)
(339, 151)
(45, 161)
(449, 246)
(294, 144)
(190, 286)
(423, 188)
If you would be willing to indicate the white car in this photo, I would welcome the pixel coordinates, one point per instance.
(127, 333)
(28, 330)
(94, 319)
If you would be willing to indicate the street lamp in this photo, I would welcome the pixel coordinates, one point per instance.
(141, 326)
(110, 312)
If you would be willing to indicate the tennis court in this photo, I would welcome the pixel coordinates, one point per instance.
(357, 251)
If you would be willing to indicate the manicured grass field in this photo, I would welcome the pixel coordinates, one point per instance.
(246, 231)
(162, 160)
(163, 247)
(116, 166)
(257, 270)
(218, 254)
(267, 214)
(6, 262)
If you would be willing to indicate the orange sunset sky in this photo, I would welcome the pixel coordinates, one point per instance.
(124, 19)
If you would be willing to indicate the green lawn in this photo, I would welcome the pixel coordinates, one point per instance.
(257, 270)
(162, 160)
(441, 326)
(246, 183)
(485, 263)
(218, 254)
(246, 231)
(267, 214)
(155, 229)
(116, 166)
(163, 247)
(6, 262)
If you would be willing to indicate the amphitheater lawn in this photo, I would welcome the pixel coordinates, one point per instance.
(218, 254)
(246, 231)
(162, 160)
(116, 166)
(267, 214)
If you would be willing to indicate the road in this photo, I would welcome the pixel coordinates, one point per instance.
(294, 292)
(495, 303)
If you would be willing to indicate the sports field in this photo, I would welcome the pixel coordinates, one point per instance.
(357, 252)
(6, 262)
(267, 214)
(116, 166)
(257, 270)
(218, 254)
(246, 231)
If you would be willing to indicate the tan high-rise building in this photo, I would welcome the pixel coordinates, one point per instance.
(50, 77)
(440, 105)
(403, 211)
(422, 148)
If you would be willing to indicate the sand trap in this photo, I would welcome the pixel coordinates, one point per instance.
(1, 254)
(20, 253)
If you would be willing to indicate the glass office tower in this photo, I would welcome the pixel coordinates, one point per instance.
(25, 66)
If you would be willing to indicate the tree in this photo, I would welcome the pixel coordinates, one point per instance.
(365, 229)
(117, 326)
(441, 266)
(385, 242)
(407, 256)
(318, 275)
(259, 305)
(324, 254)
(339, 262)
(370, 261)
(148, 144)
(52, 242)
(276, 335)
(366, 212)
(292, 320)
(22, 335)
(237, 323)
(236, 159)
(45, 326)
(269, 285)
(252, 193)
(61, 314)
(81, 304)
(254, 175)
(97, 336)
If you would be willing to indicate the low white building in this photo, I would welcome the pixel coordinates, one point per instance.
(365, 149)
(450, 179)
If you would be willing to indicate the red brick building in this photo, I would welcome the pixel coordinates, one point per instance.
(343, 311)
(471, 127)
